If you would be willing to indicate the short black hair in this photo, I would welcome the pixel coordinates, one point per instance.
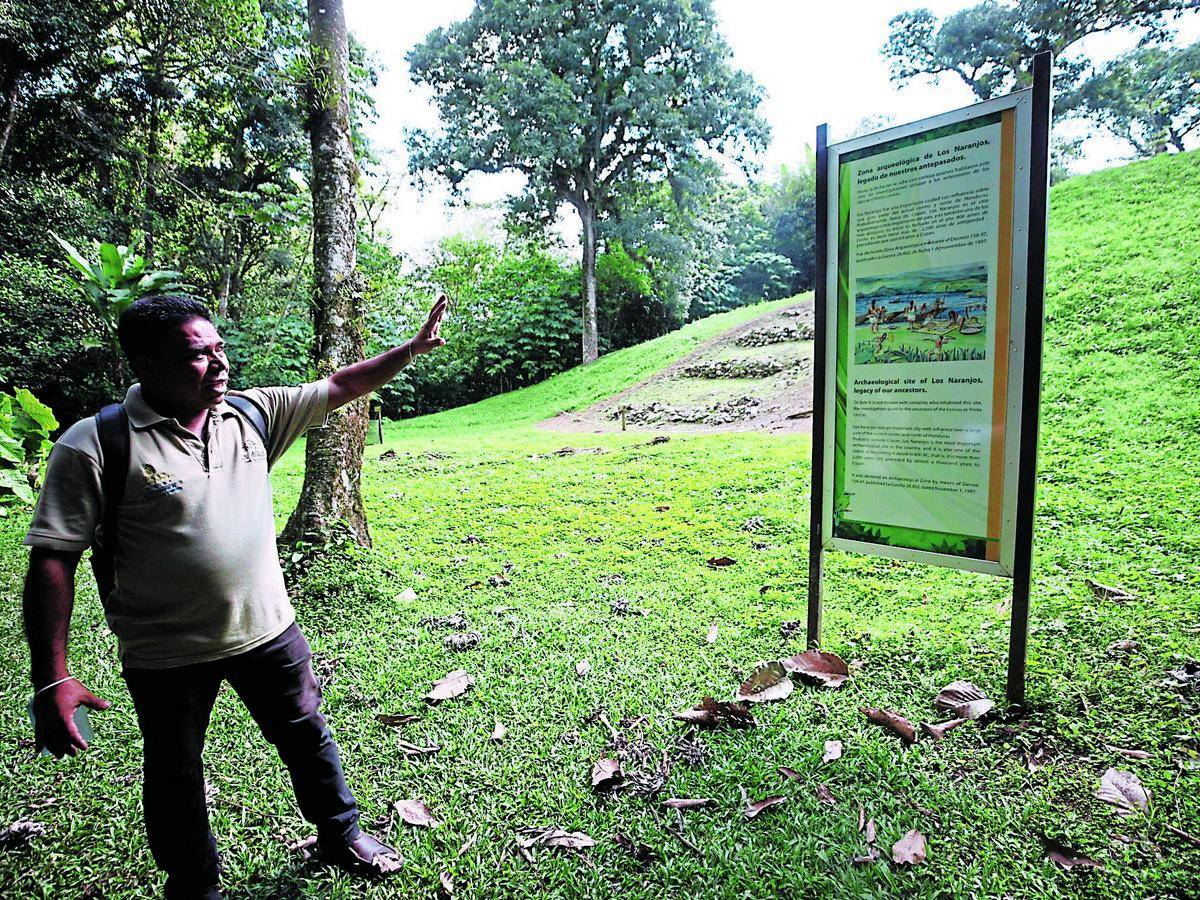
(142, 324)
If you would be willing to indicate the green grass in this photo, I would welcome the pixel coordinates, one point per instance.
(1117, 502)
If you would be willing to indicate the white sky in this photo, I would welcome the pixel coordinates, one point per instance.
(817, 62)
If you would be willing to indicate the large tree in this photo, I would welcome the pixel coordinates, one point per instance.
(989, 45)
(582, 97)
(332, 495)
(1150, 98)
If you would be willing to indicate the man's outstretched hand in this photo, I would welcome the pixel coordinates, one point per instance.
(427, 337)
(54, 711)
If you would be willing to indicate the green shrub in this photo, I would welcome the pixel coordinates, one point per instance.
(51, 341)
(268, 350)
(25, 427)
(31, 209)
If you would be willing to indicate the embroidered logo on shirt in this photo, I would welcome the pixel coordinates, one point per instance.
(159, 484)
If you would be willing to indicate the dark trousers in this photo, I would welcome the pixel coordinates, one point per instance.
(275, 681)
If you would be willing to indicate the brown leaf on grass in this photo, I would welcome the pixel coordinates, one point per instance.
(711, 637)
(893, 722)
(416, 813)
(472, 539)
(395, 720)
(462, 640)
(754, 808)
(556, 838)
(1109, 593)
(445, 886)
(643, 853)
(720, 562)
(833, 750)
(789, 772)
(499, 731)
(305, 846)
(964, 700)
(687, 802)
(1128, 754)
(910, 849)
(1068, 857)
(1123, 791)
(937, 732)
(606, 774)
(868, 831)
(498, 580)
(408, 595)
(770, 682)
(455, 684)
(871, 856)
(1118, 647)
(712, 713)
(20, 834)
(582, 668)
(412, 750)
(817, 666)
(661, 508)
(825, 795)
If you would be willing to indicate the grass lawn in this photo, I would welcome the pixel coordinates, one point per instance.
(1118, 503)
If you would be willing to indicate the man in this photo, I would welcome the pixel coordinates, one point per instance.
(199, 596)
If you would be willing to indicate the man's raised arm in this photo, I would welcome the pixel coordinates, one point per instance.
(359, 379)
(47, 603)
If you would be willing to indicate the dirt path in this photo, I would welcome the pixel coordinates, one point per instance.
(696, 395)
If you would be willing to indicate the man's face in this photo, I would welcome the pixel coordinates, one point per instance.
(188, 370)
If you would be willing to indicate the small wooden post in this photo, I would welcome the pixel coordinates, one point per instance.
(623, 408)
(817, 495)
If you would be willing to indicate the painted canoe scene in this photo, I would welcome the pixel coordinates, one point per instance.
(926, 315)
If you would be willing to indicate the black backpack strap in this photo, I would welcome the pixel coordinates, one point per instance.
(112, 430)
(253, 413)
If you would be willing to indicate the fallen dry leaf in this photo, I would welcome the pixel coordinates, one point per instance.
(396, 719)
(582, 667)
(1129, 754)
(937, 732)
(455, 684)
(408, 595)
(1109, 593)
(1123, 791)
(557, 838)
(20, 833)
(868, 831)
(472, 539)
(872, 855)
(642, 853)
(305, 846)
(825, 795)
(910, 849)
(753, 809)
(712, 713)
(768, 683)
(720, 562)
(462, 640)
(499, 731)
(789, 772)
(817, 666)
(661, 508)
(606, 774)
(893, 722)
(1118, 647)
(711, 637)
(445, 886)
(964, 700)
(687, 802)
(1067, 857)
(833, 750)
(416, 813)
(498, 580)
(412, 750)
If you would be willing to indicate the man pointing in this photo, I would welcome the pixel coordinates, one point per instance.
(198, 596)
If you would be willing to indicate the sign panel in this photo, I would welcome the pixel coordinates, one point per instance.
(925, 286)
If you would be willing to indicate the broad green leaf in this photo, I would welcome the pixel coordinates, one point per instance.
(36, 409)
(77, 258)
(111, 264)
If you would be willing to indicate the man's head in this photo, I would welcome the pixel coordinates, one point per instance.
(176, 352)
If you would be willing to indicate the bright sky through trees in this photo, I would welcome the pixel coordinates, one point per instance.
(818, 63)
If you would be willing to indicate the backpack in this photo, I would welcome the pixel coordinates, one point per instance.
(112, 428)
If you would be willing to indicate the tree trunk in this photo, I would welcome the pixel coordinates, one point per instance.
(591, 340)
(331, 496)
(10, 116)
(150, 188)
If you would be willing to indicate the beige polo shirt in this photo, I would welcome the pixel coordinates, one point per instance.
(197, 573)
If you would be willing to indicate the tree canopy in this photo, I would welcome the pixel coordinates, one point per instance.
(582, 97)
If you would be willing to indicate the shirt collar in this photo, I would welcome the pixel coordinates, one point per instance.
(141, 415)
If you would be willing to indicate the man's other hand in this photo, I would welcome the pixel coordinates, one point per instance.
(427, 337)
(54, 711)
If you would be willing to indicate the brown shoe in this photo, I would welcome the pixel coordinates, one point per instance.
(364, 856)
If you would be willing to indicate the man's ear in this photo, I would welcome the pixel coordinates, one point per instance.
(141, 365)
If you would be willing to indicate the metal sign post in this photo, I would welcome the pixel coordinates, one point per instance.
(959, 198)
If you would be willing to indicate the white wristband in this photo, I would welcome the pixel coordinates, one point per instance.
(53, 684)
